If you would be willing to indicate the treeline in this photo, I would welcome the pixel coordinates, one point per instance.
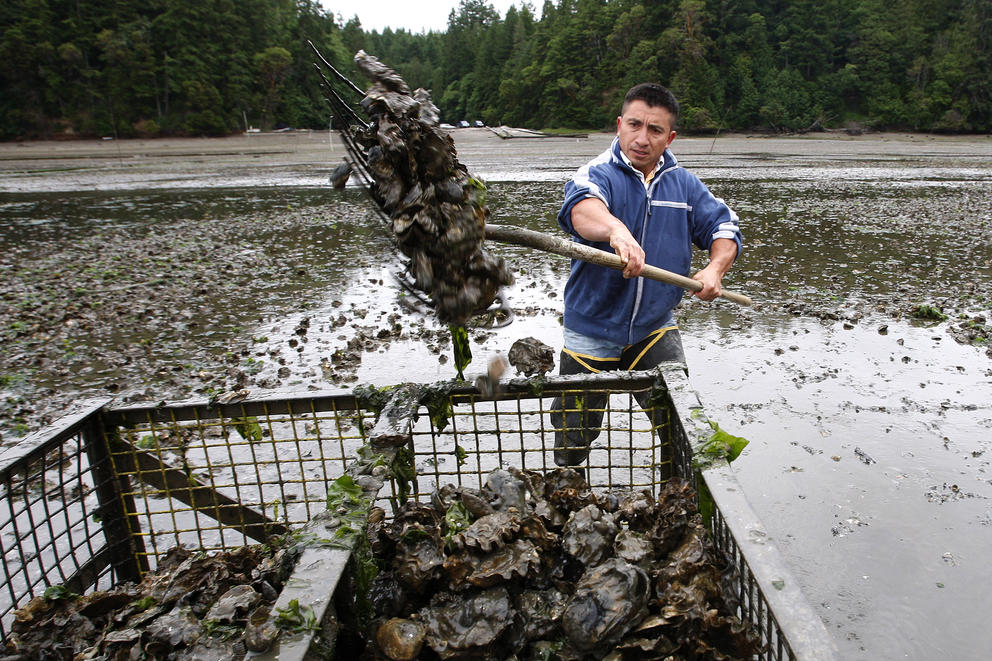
(161, 67)
(211, 67)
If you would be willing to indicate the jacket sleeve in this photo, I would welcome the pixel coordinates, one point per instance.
(590, 180)
(711, 218)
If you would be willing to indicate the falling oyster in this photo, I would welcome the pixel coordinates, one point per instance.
(531, 356)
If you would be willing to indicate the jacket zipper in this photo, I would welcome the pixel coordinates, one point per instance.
(640, 280)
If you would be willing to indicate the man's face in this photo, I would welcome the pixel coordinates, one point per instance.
(645, 133)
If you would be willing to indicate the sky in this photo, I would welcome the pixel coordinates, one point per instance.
(412, 15)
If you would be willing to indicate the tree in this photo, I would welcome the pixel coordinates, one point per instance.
(272, 66)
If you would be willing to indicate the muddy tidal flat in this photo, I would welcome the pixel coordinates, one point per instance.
(150, 270)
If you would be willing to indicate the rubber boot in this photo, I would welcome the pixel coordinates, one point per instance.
(577, 419)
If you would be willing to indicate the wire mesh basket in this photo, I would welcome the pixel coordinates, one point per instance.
(103, 495)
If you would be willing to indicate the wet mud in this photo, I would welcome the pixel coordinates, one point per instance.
(160, 271)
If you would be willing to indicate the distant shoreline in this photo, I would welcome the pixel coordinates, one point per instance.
(108, 147)
(306, 158)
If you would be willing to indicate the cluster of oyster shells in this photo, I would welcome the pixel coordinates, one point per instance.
(539, 566)
(194, 606)
(437, 210)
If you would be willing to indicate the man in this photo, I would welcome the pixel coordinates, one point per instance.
(635, 199)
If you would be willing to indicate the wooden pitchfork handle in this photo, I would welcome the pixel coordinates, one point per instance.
(566, 248)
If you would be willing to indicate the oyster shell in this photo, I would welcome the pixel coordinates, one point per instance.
(609, 600)
(400, 638)
(472, 627)
(588, 536)
(634, 548)
(419, 557)
(488, 532)
(541, 611)
(513, 561)
(508, 491)
(531, 356)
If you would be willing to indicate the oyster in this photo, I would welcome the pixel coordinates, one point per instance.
(260, 633)
(508, 492)
(514, 561)
(401, 639)
(531, 356)
(515, 583)
(419, 557)
(634, 548)
(488, 532)
(233, 604)
(387, 595)
(588, 536)
(473, 627)
(161, 616)
(609, 600)
(541, 611)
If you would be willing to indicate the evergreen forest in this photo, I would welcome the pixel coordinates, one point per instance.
(128, 68)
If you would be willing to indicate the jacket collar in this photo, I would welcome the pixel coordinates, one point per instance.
(665, 163)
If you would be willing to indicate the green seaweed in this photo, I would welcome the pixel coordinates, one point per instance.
(296, 618)
(720, 445)
(249, 428)
(403, 472)
(59, 592)
(373, 398)
(437, 399)
(456, 520)
(462, 350)
(930, 312)
(344, 492)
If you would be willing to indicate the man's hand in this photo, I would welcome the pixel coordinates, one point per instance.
(593, 221)
(630, 252)
(722, 255)
(711, 281)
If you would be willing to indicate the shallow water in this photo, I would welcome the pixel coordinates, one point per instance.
(870, 431)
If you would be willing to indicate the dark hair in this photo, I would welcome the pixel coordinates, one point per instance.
(654, 95)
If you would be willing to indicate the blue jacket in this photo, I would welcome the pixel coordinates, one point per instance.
(599, 301)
